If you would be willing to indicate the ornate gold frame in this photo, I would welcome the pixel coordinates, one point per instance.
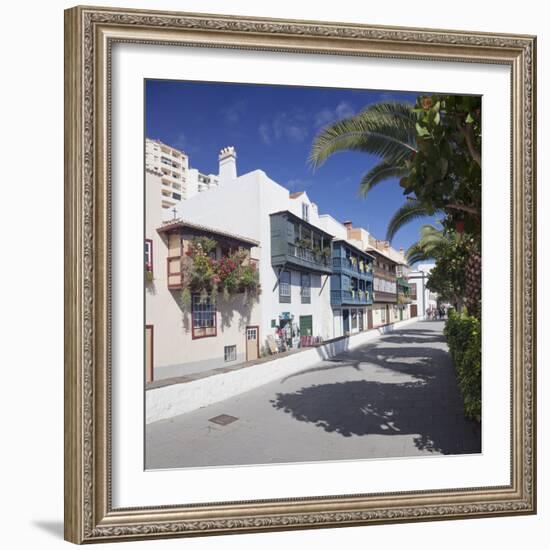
(89, 34)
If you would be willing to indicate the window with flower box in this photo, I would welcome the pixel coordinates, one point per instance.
(204, 317)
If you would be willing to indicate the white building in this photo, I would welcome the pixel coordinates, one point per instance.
(294, 253)
(423, 298)
(178, 180)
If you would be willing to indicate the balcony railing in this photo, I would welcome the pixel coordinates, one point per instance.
(354, 267)
(382, 296)
(350, 297)
(307, 257)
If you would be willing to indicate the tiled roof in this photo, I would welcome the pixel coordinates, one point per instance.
(175, 224)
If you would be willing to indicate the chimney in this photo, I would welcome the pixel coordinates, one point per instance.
(228, 164)
(348, 225)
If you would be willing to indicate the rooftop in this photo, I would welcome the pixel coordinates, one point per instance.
(301, 220)
(355, 247)
(180, 223)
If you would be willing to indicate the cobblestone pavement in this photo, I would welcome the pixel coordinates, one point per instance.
(394, 397)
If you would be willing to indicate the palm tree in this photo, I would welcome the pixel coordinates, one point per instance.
(409, 211)
(431, 243)
(435, 244)
(388, 130)
(384, 129)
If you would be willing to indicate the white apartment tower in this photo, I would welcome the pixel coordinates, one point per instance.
(178, 180)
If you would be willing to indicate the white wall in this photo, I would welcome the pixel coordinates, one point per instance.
(333, 226)
(32, 503)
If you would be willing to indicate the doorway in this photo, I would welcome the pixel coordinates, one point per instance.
(306, 325)
(345, 318)
(252, 343)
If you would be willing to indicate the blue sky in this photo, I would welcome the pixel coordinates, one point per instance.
(272, 129)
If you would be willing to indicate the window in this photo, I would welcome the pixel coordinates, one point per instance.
(204, 317)
(305, 211)
(149, 255)
(230, 353)
(305, 291)
(284, 287)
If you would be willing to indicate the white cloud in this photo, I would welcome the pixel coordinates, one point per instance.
(292, 126)
(265, 133)
(232, 113)
(326, 116)
(296, 133)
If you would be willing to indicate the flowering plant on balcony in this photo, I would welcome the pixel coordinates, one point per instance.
(204, 274)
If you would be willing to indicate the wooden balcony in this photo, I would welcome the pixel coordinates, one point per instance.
(350, 298)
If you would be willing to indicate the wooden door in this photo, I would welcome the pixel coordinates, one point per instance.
(149, 332)
(252, 343)
(370, 323)
(414, 310)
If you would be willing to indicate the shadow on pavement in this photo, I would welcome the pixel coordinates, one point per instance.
(429, 406)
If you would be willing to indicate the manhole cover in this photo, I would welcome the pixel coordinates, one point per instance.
(223, 419)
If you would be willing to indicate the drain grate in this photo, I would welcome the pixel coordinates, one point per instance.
(223, 419)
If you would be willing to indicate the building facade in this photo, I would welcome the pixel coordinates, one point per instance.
(351, 288)
(179, 180)
(194, 334)
(385, 289)
(172, 166)
(422, 298)
(319, 278)
(404, 290)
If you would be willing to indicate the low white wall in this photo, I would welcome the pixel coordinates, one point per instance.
(168, 401)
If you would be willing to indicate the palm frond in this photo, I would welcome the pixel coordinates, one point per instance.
(384, 129)
(415, 254)
(407, 212)
(380, 172)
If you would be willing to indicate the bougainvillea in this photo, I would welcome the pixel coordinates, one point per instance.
(206, 275)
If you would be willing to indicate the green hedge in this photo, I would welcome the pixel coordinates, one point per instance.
(463, 334)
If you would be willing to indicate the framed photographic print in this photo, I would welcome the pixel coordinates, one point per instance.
(300, 274)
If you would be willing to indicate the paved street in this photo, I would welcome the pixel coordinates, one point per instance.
(394, 397)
